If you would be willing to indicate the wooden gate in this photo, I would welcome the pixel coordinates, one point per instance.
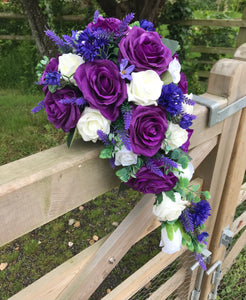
(41, 187)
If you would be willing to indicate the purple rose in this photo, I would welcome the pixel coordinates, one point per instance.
(148, 182)
(183, 85)
(64, 116)
(108, 24)
(51, 67)
(186, 145)
(147, 129)
(145, 50)
(102, 86)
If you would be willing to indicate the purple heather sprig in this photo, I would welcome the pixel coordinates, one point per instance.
(151, 164)
(168, 162)
(74, 101)
(201, 261)
(96, 15)
(38, 107)
(124, 23)
(125, 72)
(186, 219)
(103, 137)
(58, 41)
(124, 138)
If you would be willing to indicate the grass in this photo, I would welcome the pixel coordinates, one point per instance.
(21, 132)
(34, 254)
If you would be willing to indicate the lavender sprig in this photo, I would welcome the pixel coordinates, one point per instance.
(38, 107)
(186, 220)
(96, 15)
(151, 164)
(127, 115)
(57, 40)
(74, 101)
(124, 23)
(124, 139)
(103, 137)
(168, 162)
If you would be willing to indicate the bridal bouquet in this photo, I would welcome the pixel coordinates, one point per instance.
(120, 83)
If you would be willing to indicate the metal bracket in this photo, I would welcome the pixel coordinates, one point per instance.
(226, 237)
(195, 294)
(216, 115)
(216, 268)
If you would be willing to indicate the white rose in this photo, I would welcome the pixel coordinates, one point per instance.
(186, 173)
(171, 246)
(187, 108)
(176, 136)
(68, 64)
(169, 210)
(174, 69)
(90, 122)
(145, 88)
(125, 157)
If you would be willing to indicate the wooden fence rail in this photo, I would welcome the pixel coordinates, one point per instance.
(39, 188)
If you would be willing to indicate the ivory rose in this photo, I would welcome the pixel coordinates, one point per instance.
(168, 246)
(145, 88)
(169, 210)
(176, 136)
(68, 64)
(174, 69)
(90, 122)
(125, 157)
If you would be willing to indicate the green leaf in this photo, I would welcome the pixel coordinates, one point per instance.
(106, 153)
(159, 198)
(136, 23)
(171, 195)
(71, 136)
(183, 160)
(52, 88)
(167, 77)
(190, 246)
(123, 174)
(195, 187)
(183, 182)
(175, 154)
(196, 199)
(169, 229)
(171, 44)
(206, 194)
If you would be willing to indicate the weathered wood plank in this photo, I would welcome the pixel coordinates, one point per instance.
(170, 286)
(49, 286)
(210, 22)
(234, 252)
(41, 187)
(227, 78)
(239, 223)
(142, 276)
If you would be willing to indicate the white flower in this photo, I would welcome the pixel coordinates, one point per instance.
(171, 246)
(68, 64)
(125, 157)
(90, 122)
(169, 210)
(174, 69)
(187, 108)
(186, 173)
(175, 136)
(145, 88)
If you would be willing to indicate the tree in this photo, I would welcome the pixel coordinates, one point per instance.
(143, 9)
(38, 24)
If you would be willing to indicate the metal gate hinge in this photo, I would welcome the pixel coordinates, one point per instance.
(216, 115)
(216, 269)
(226, 237)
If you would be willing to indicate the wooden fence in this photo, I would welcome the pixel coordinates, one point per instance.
(39, 188)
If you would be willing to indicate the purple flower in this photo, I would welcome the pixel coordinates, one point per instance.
(186, 121)
(51, 67)
(107, 24)
(53, 78)
(145, 50)
(102, 86)
(125, 73)
(183, 85)
(148, 182)
(147, 25)
(186, 145)
(64, 116)
(186, 219)
(147, 129)
(201, 212)
(171, 98)
(201, 238)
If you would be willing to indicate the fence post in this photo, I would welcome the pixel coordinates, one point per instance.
(241, 38)
(232, 186)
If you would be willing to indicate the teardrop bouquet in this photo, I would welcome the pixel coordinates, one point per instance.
(120, 82)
